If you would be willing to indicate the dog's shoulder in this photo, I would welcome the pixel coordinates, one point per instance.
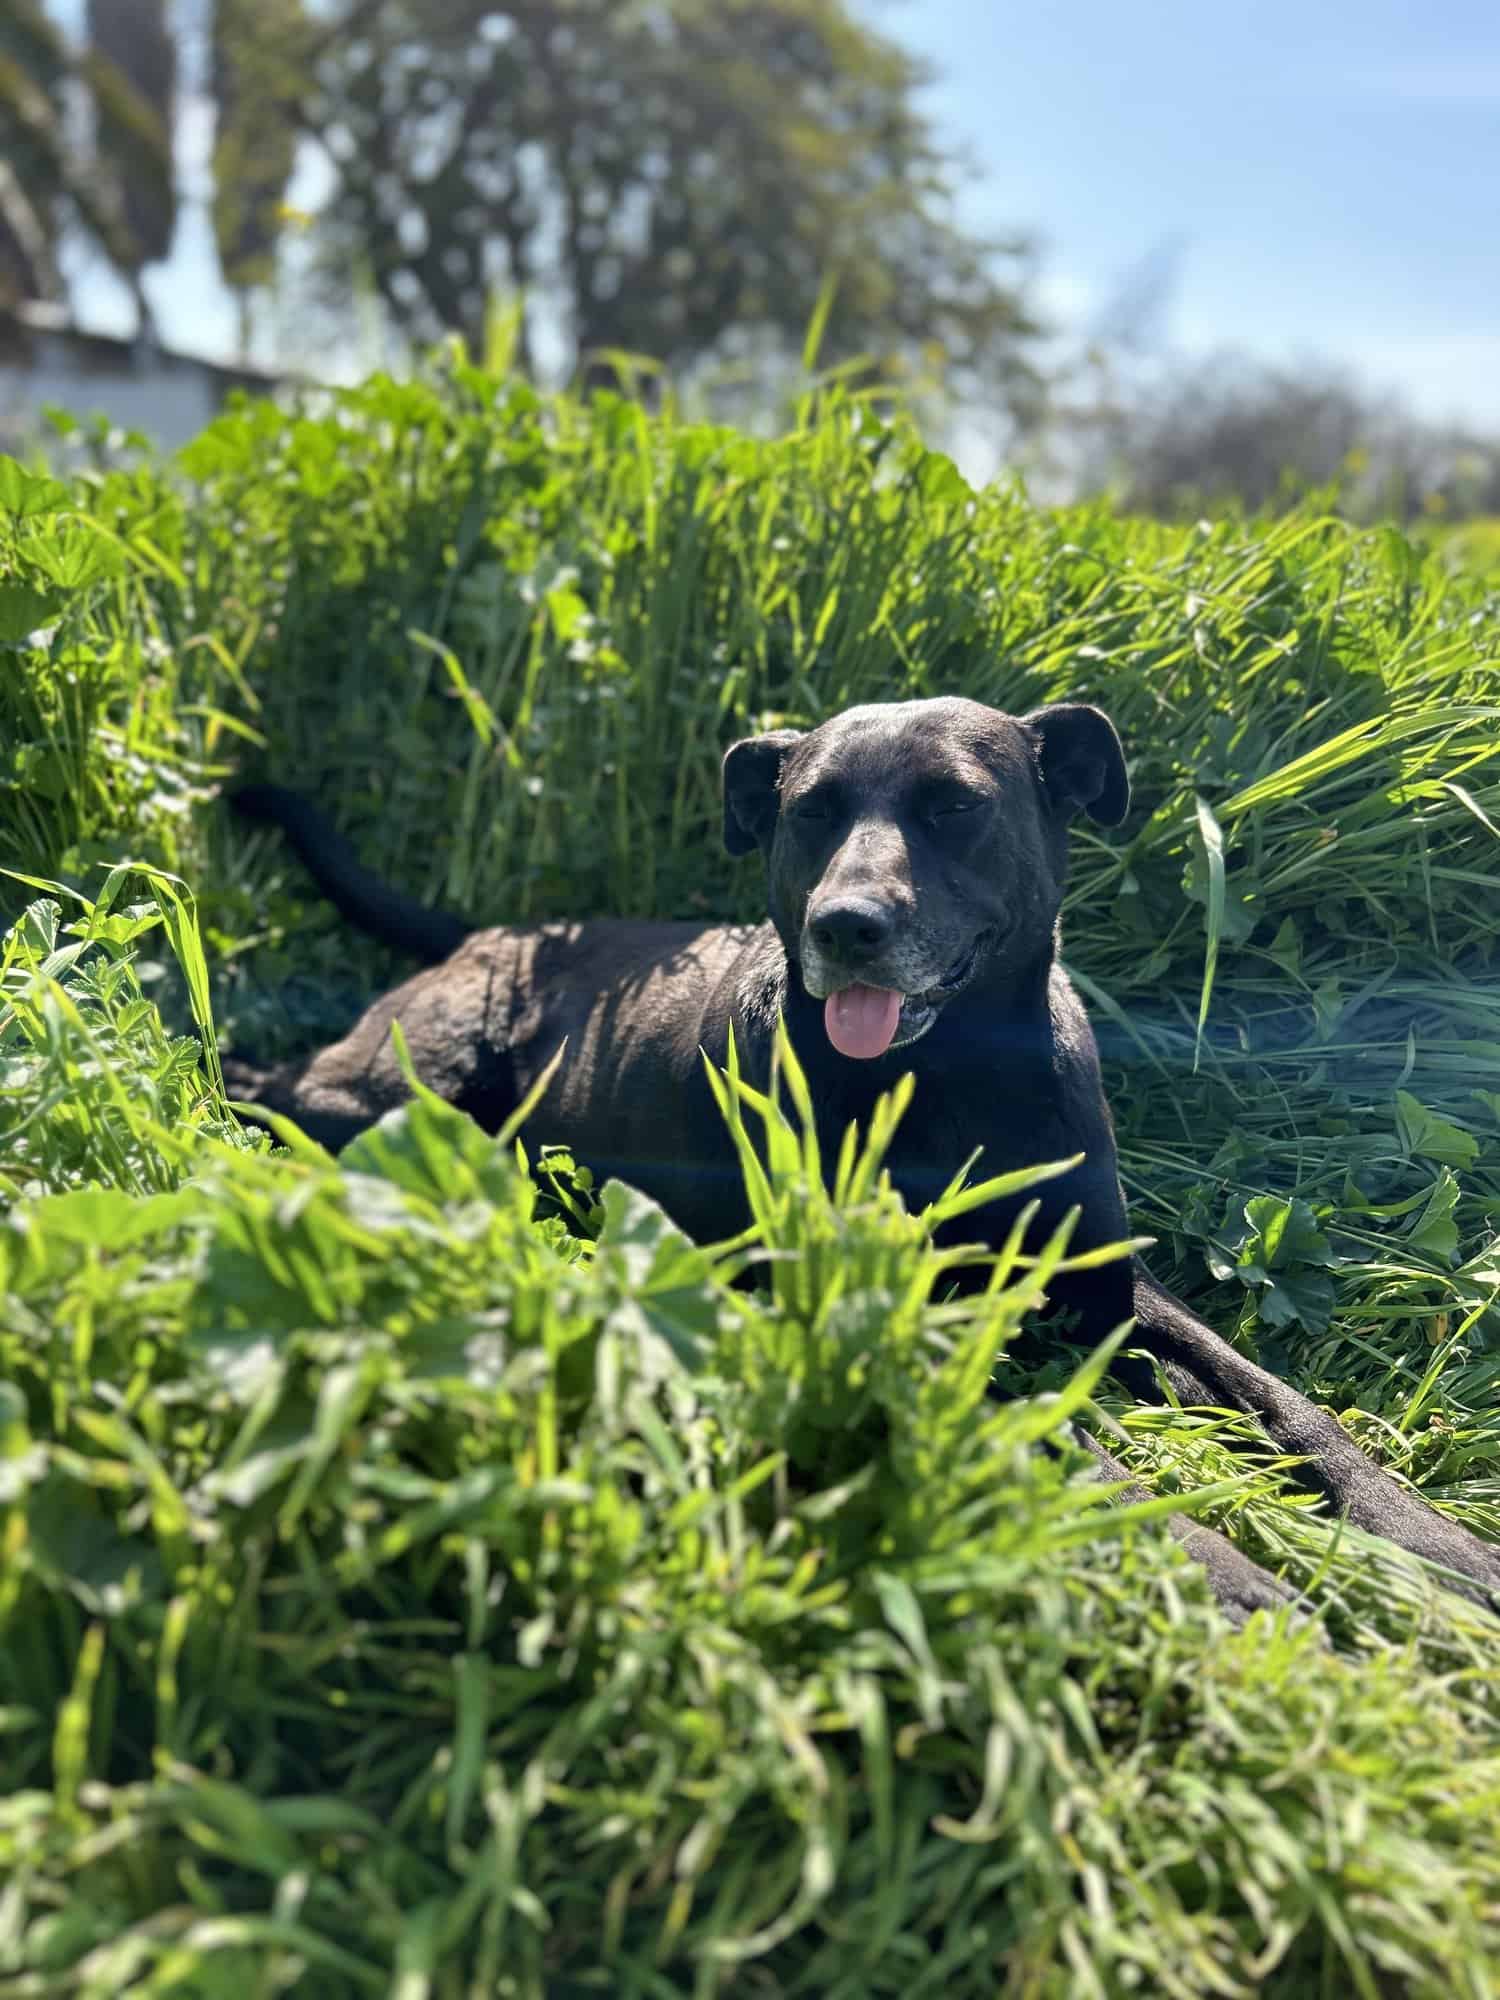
(1080, 1081)
(754, 992)
(1072, 1031)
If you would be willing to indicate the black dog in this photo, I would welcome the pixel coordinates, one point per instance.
(915, 855)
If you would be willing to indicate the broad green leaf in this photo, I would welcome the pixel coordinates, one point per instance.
(23, 493)
(1433, 1137)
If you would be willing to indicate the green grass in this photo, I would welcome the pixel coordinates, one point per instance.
(1470, 545)
(401, 1596)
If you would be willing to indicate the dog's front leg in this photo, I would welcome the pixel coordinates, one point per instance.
(1240, 1585)
(1203, 1367)
(329, 1110)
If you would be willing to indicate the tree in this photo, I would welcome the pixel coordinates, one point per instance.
(34, 167)
(1224, 431)
(259, 53)
(680, 179)
(676, 179)
(131, 71)
(1229, 429)
(116, 184)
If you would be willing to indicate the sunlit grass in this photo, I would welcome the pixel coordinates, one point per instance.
(402, 1595)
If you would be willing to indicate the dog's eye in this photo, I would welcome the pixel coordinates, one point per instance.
(954, 804)
(814, 807)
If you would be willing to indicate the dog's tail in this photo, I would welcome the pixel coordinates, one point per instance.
(357, 893)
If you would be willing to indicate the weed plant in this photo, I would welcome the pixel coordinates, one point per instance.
(403, 1594)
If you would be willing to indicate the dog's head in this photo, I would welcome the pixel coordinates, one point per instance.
(916, 849)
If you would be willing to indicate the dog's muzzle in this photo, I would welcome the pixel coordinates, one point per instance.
(920, 1004)
(920, 1010)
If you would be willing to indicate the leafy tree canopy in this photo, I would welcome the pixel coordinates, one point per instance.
(679, 179)
(676, 179)
(85, 141)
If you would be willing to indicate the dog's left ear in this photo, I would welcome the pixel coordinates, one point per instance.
(1082, 762)
(752, 784)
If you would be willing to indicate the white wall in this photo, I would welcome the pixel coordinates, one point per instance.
(169, 402)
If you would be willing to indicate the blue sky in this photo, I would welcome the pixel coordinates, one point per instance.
(1327, 175)
(1329, 172)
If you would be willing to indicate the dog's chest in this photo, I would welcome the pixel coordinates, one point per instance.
(1012, 1121)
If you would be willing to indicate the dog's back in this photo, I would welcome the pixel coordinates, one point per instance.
(633, 999)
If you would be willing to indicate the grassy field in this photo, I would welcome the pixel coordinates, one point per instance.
(404, 1596)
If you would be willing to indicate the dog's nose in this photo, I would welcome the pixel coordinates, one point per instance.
(851, 930)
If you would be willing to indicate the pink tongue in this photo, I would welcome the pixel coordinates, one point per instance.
(861, 1020)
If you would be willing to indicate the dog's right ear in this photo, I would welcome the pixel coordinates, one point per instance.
(1081, 760)
(752, 787)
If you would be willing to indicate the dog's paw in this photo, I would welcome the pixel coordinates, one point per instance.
(1240, 1585)
(1403, 1517)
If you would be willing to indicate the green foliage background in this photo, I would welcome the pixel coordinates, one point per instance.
(399, 1597)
